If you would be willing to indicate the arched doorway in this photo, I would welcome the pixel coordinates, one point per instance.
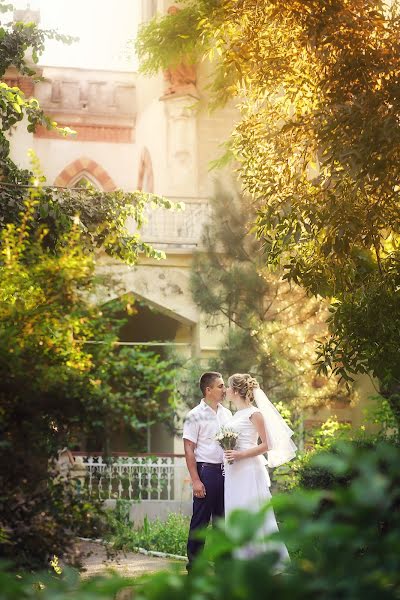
(150, 331)
(158, 333)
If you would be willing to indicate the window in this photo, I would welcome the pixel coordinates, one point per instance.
(145, 175)
(149, 9)
(83, 180)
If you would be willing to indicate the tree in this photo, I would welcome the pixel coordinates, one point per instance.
(318, 145)
(272, 324)
(53, 381)
(55, 377)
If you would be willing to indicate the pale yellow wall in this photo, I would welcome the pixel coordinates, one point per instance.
(118, 160)
(151, 129)
(20, 142)
(214, 129)
(366, 388)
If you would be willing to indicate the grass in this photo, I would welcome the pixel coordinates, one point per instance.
(168, 536)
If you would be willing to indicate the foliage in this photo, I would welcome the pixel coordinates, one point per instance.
(15, 40)
(168, 536)
(107, 220)
(49, 586)
(378, 425)
(47, 318)
(348, 550)
(348, 539)
(272, 324)
(329, 432)
(381, 415)
(17, 37)
(190, 371)
(141, 389)
(312, 475)
(317, 147)
(287, 477)
(53, 381)
(309, 474)
(172, 33)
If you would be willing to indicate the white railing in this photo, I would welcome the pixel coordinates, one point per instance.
(177, 228)
(141, 478)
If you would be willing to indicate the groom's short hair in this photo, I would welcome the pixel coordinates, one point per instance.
(207, 379)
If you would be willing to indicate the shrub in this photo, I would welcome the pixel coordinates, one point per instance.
(314, 473)
(288, 476)
(349, 550)
(54, 386)
(36, 526)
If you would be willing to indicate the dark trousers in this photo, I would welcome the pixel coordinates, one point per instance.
(209, 507)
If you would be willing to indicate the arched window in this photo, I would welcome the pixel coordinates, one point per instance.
(85, 168)
(84, 180)
(145, 175)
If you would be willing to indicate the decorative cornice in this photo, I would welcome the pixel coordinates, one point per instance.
(90, 133)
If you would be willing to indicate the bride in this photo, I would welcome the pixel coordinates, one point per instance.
(246, 476)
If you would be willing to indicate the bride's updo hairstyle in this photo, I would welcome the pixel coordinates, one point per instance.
(244, 384)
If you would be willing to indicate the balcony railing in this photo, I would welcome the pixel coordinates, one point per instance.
(177, 228)
(138, 478)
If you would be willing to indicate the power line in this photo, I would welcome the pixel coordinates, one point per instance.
(81, 189)
(58, 187)
(137, 343)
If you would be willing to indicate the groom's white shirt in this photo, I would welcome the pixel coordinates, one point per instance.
(200, 427)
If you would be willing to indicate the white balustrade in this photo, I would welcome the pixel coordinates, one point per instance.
(133, 478)
(177, 228)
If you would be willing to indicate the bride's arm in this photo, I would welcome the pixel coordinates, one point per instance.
(258, 420)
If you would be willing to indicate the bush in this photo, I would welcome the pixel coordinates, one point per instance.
(54, 387)
(288, 476)
(350, 550)
(168, 536)
(314, 473)
(36, 526)
(303, 472)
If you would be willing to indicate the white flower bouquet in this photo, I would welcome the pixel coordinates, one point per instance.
(227, 439)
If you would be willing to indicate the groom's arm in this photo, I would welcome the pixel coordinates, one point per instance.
(198, 486)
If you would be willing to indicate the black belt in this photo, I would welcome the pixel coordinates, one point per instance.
(215, 465)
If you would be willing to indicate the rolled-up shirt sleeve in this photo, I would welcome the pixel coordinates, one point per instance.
(191, 428)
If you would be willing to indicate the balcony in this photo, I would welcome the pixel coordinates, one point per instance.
(179, 229)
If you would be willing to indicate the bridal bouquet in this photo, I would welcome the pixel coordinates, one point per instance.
(227, 439)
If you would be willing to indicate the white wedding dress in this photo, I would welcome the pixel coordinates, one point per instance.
(247, 485)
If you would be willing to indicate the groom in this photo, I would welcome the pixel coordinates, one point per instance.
(204, 457)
